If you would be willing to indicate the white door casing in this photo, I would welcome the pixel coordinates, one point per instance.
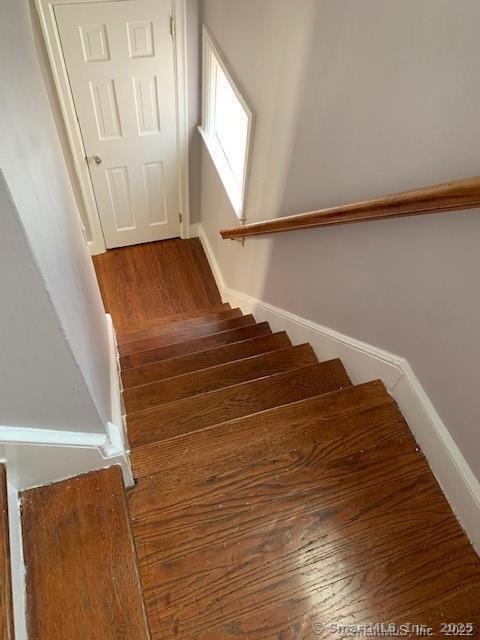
(120, 63)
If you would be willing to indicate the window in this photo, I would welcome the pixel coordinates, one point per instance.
(226, 125)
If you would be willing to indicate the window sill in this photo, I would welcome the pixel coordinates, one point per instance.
(225, 173)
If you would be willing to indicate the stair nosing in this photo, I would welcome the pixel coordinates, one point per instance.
(170, 327)
(262, 411)
(187, 355)
(225, 306)
(223, 364)
(257, 324)
(239, 384)
(130, 597)
(182, 341)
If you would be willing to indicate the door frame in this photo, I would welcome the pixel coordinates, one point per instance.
(45, 9)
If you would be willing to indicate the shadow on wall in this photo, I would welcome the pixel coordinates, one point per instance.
(383, 102)
(57, 116)
(377, 117)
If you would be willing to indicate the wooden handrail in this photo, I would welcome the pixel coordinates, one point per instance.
(447, 196)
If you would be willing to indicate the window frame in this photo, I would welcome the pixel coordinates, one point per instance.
(211, 56)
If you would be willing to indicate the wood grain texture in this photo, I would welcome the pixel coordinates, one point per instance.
(320, 511)
(149, 281)
(82, 578)
(194, 346)
(204, 359)
(185, 335)
(447, 196)
(174, 419)
(254, 436)
(266, 501)
(123, 334)
(6, 605)
(164, 328)
(189, 384)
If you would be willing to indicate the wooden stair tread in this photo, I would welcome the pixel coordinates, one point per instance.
(316, 422)
(6, 603)
(82, 579)
(178, 325)
(204, 359)
(193, 346)
(185, 335)
(212, 378)
(317, 508)
(142, 325)
(182, 416)
(324, 510)
(255, 436)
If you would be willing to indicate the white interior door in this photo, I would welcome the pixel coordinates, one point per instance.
(119, 59)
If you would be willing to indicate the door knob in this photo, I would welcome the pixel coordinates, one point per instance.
(96, 159)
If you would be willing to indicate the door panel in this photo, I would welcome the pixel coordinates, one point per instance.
(119, 58)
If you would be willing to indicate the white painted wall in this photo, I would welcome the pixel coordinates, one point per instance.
(55, 358)
(354, 100)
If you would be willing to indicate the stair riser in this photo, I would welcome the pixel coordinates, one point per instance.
(165, 321)
(198, 412)
(262, 432)
(185, 335)
(194, 346)
(146, 396)
(205, 359)
(181, 325)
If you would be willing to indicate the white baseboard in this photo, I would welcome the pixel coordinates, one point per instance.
(95, 248)
(365, 362)
(194, 230)
(116, 398)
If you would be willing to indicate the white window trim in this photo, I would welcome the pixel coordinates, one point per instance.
(237, 199)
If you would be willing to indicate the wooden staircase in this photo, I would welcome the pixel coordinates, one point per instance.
(82, 579)
(271, 495)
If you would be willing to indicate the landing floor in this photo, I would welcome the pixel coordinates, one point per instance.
(152, 280)
(281, 524)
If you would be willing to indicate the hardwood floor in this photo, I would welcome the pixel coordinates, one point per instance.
(203, 410)
(6, 607)
(148, 281)
(213, 378)
(323, 511)
(274, 500)
(82, 579)
(175, 337)
(220, 314)
(142, 358)
(235, 351)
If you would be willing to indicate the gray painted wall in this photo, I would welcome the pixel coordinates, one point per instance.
(44, 63)
(194, 106)
(355, 100)
(55, 359)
